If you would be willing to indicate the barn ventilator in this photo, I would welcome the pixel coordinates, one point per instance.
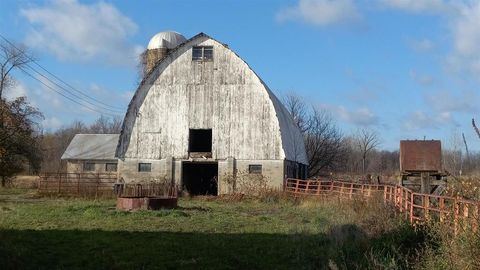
(146, 196)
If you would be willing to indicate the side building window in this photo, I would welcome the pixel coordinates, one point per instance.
(88, 166)
(144, 167)
(255, 169)
(202, 53)
(111, 167)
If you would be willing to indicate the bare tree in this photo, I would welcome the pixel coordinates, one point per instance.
(105, 125)
(299, 111)
(55, 143)
(19, 135)
(12, 57)
(475, 127)
(366, 140)
(322, 138)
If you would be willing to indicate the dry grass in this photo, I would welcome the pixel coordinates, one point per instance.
(464, 186)
(24, 181)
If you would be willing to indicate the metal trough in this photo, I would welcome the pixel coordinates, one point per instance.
(146, 203)
(146, 196)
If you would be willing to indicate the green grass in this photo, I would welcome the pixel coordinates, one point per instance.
(69, 233)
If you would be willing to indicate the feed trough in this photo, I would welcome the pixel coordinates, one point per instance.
(146, 196)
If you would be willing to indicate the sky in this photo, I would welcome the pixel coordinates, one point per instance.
(405, 68)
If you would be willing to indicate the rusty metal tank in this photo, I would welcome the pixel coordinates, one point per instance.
(421, 156)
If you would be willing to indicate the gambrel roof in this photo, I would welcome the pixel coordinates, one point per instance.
(291, 138)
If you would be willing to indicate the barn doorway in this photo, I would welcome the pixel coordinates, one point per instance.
(200, 178)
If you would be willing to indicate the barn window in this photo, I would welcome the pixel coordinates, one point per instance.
(202, 53)
(88, 166)
(255, 169)
(111, 167)
(200, 140)
(144, 167)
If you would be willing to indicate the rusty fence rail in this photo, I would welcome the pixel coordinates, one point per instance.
(101, 184)
(77, 183)
(146, 190)
(417, 207)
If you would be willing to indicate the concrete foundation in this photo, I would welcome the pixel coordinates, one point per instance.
(229, 171)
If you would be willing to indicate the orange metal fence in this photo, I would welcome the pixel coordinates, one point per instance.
(417, 207)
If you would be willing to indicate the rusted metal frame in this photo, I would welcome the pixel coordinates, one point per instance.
(475, 217)
(455, 217)
(411, 207)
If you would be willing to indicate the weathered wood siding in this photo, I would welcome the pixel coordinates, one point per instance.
(224, 95)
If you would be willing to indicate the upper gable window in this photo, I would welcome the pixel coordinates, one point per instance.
(202, 53)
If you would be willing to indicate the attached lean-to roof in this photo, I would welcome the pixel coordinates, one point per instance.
(92, 146)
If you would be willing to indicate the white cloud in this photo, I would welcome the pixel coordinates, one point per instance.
(360, 117)
(321, 12)
(422, 45)
(51, 123)
(466, 35)
(421, 79)
(447, 101)
(80, 32)
(463, 17)
(420, 120)
(46, 93)
(18, 90)
(417, 6)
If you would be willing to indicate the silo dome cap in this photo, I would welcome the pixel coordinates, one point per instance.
(169, 40)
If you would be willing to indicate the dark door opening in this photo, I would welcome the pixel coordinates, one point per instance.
(200, 140)
(200, 178)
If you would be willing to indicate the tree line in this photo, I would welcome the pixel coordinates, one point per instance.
(329, 150)
(54, 144)
(25, 147)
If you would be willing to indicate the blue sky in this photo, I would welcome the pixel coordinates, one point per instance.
(407, 68)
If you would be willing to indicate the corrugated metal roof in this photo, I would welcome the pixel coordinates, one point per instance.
(92, 146)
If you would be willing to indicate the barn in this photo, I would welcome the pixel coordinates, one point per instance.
(91, 153)
(203, 119)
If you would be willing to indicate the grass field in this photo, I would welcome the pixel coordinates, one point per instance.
(202, 233)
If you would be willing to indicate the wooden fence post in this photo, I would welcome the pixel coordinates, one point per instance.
(307, 187)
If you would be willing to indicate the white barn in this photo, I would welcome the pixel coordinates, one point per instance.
(201, 117)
